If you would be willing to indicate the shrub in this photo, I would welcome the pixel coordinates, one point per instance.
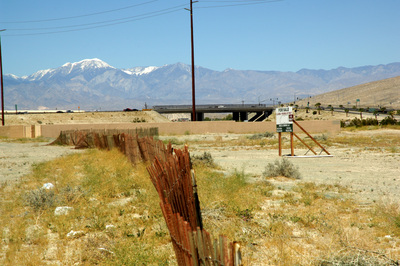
(246, 214)
(40, 199)
(370, 122)
(262, 135)
(322, 137)
(204, 159)
(282, 168)
(388, 121)
(356, 122)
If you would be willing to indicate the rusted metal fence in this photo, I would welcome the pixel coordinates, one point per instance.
(174, 179)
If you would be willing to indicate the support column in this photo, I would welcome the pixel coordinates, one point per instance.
(199, 116)
(243, 116)
(235, 116)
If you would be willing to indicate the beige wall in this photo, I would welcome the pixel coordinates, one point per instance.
(16, 132)
(178, 128)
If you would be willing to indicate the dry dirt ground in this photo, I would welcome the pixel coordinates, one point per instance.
(83, 118)
(371, 174)
(148, 116)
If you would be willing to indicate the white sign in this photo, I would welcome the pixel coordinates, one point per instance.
(284, 119)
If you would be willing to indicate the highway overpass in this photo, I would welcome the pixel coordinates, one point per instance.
(240, 112)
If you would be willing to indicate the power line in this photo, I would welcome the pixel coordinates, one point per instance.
(128, 19)
(112, 22)
(78, 16)
(93, 27)
(239, 3)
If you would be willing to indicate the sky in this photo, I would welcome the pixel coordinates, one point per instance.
(267, 35)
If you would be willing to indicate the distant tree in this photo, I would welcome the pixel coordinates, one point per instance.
(376, 114)
(332, 110)
(392, 113)
(361, 110)
(318, 105)
(228, 117)
(347, 112)
(341, 106)
(383, 109)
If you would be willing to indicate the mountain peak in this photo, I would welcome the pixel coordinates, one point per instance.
(138, 71)
(88, 63)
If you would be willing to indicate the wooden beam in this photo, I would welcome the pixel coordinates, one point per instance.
(311, 137)
(280, 143)
(291, 144)
(304, 143)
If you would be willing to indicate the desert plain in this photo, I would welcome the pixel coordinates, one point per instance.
(364, 167)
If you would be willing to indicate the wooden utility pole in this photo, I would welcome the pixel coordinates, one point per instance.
(193, 79)
(2, 89)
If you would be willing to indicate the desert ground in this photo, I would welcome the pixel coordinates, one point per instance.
(358, 169)
(371, 173)
(151, 116)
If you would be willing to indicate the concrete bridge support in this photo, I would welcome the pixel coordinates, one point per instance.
(240, 116)
(243, 116)
(199, 116)
(235, 116)
(259, 116)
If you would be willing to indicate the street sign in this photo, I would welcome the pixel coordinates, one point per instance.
(284, 119)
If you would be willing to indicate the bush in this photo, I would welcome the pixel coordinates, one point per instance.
(40, 199)
(388, 121)
(204, 159)
(262, 135)
(322, 137)
(370, 122)
(282, 168)
(356, 122)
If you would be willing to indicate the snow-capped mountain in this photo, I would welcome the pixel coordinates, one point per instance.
(94, 84)
(138, 71)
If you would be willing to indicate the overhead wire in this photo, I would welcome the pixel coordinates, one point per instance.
(128, 19)
(239, 3)
(112, 22)
(78, 16)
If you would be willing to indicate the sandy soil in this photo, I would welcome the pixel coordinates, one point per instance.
(151, 116)
(371, 174)
(16, 159)
(83, 118)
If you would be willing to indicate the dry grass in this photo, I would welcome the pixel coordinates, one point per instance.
(307, 224)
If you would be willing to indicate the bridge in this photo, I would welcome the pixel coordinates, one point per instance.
(240, 112)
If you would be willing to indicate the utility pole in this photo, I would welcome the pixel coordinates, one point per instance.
(193, 79)
(2, 90)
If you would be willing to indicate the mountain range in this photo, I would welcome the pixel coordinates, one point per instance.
(93, 84)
